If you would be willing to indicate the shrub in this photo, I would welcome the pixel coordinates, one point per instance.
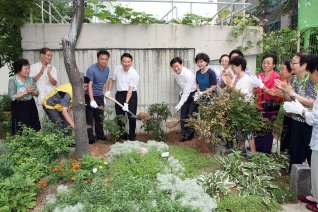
(230, 116)
(113, 125)
(158, 113)
(5, 102)
(37, 145)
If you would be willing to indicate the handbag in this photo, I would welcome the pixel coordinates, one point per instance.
(270, 105)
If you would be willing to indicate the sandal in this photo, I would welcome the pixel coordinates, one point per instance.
(304, 199)
(312, 207)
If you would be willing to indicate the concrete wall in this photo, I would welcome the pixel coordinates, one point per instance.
(4, 79)
(211, 39)
(152, 47)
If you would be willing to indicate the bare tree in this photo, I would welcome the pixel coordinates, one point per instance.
(76, 79)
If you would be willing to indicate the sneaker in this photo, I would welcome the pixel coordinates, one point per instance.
(91, 141)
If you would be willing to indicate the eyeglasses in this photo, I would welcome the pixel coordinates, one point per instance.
(293, 63)
(267, 63)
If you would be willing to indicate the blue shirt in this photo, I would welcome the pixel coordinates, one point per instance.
(206, 80)
(98, 77)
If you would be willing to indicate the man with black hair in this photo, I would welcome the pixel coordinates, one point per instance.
(58, 104)
(94, 96)
(127, 79)
(187, 83)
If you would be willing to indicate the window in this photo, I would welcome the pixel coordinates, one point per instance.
(273, 25)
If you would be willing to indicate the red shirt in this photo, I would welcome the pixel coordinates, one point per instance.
(269, 84)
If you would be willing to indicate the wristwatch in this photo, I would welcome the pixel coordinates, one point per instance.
(294, 95)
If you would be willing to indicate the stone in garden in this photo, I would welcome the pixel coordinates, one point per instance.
(300, 179)
(142, 150)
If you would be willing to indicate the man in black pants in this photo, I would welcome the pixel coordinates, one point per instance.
(94, 97)
(186, 81)
(126, 84)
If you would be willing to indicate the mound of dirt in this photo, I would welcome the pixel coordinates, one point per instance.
(143, 116)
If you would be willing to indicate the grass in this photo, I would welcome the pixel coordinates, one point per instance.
(235, 203)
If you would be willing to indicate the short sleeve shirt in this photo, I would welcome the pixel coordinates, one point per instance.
(269, 83)
(125, 79)
(44, 85)
(17, 86)
(62, 98)
(98, 77)
(304, 88)
(206, 80)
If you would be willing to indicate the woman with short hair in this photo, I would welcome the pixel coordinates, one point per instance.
(22, 88)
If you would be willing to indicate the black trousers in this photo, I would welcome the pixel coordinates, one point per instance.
(24, 112)
(286, 134)
(132, 106)
(57, 117)
(94, 115)
(300, 140)
(187, 109)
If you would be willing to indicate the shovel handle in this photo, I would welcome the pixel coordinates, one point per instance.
(113, 99)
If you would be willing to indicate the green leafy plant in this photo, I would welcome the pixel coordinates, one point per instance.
(42, 147)
(251, 178)
(158, 113)
(121, 14)
(17, 193)
(217, 184)
(244, 25)
(229, 116)
(81, 171)
(284, 194)
(113, 125)
(5, 102)
(193, 19)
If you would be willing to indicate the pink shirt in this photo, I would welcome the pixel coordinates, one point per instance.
(269, 84)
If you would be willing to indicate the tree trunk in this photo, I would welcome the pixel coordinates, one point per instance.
(76, 79)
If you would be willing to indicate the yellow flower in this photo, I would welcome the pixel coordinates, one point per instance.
(105, 163)
(100, 167)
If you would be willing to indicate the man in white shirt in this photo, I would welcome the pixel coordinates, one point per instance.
(186, 81)
(127, 79)
(45, 76)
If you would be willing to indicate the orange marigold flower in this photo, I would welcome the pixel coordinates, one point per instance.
(73, 165)
(62, 170)
(44, 184)
(55, 169)
(56, 160)
(77, 167)
(74, 171)
(72, 178)
(50, 167)
(70, 159)
(88, 179)
(101, 157)
(41, 182)
(61, 164)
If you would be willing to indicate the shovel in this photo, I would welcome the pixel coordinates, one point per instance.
(114, 100)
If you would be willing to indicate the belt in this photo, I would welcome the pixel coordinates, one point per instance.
(124, 91)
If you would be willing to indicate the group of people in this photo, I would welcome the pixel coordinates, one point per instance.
(34, 89)
(294, 86)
